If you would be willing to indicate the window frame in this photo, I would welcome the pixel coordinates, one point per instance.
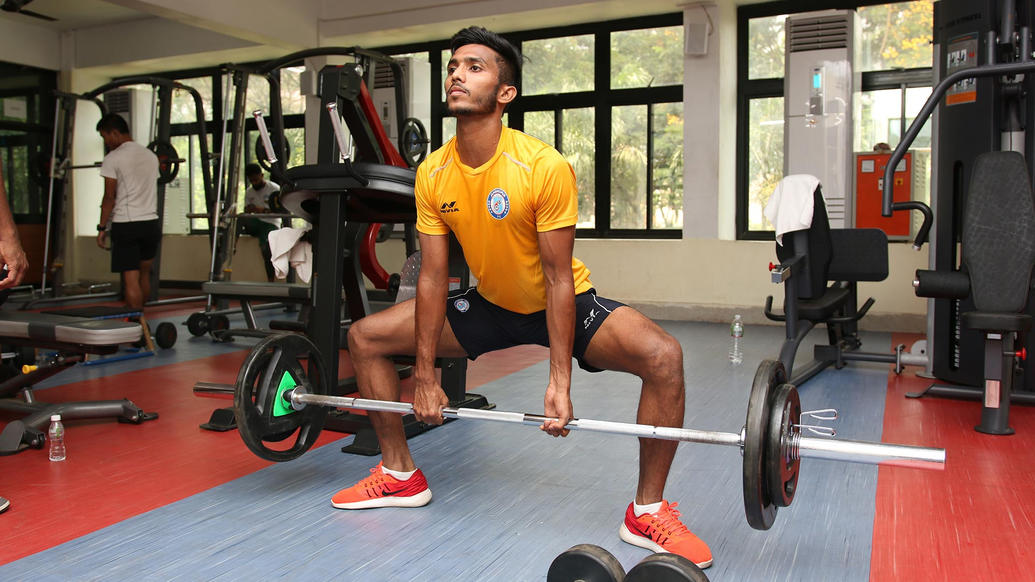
(750, 89)
(602, 99)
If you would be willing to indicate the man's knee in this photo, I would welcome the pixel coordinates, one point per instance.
(358, 339)
(363, 336)
(663, 360)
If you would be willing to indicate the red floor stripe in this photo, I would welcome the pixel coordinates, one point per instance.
(116, 471)
(973, 520)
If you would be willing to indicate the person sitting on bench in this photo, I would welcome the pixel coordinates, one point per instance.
(257, 200)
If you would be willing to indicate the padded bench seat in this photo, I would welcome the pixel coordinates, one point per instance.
(48, 327)
(256, 290)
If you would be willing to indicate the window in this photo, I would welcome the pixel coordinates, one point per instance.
(616, 116)
(26, 130)
(893, 53)
(183, 107)
(558, 65)
(649, 57)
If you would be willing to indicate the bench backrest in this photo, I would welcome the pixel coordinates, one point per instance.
(999, 232)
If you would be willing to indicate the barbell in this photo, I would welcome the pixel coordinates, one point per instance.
(282, 392)
(169, 161)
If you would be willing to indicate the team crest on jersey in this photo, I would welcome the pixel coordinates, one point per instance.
(462, 305)
(498, 203)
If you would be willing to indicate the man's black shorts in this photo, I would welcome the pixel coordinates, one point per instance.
(133, 242)
(481, 326)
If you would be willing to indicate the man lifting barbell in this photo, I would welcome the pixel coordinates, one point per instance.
(129, 209)
(511, 201)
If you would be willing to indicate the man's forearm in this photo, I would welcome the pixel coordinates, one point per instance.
(107, 205)
(429, 318)
(560, 326)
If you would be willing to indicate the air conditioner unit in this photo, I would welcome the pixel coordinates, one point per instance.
(136, 106)
(819, 87)
(417, 91)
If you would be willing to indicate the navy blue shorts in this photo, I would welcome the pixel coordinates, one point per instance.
(481, 326)
(134, 242)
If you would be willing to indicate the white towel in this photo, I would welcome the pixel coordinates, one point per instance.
(288, 252)
(790, 206)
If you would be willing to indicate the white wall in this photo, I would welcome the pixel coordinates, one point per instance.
(28, 44)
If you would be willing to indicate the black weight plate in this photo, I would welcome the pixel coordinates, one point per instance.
(256, 391)
(168, 160)
(197, 324)
(165, 335)
(413, 143)
(585, 562)
(758, 507)
(781, 466)
(666, 568)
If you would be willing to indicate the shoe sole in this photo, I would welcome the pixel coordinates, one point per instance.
(637, 540)
(418, 500)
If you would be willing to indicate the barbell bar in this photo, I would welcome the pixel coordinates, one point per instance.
(803, 447)
(281, 393)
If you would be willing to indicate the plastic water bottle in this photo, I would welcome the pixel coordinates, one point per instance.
(56, 437)
(736, 340)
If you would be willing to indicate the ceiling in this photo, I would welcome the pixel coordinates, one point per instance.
(73, 14)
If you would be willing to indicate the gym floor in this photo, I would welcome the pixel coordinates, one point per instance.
(166, 500)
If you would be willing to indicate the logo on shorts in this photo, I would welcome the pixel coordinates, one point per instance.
(462, 305)
(498, 203)
(589, 319)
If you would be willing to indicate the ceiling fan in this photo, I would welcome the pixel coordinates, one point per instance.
(18, 6)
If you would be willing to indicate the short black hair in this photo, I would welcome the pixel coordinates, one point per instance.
(252, 169)
(509, 59)
(113, 122)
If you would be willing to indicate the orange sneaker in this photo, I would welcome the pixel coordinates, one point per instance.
(383, 490)
(663, 532)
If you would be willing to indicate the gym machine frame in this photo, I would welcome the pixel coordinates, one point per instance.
(994, 418)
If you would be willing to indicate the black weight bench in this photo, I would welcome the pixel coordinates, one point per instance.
(820, 269)
(249, 294)
(72, 338)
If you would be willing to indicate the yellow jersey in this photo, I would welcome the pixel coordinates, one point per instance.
(496, 212)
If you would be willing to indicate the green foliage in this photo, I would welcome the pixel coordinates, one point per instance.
(896, 35)
(558, 65)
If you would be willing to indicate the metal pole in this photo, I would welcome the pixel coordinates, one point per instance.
(50, 193)
(837, 450)
(213, 224)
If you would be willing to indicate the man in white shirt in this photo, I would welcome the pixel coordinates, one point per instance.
(260, 199)
(129, 209)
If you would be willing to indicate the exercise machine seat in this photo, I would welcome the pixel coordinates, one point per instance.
(819, 255)
(989, 321)
(387, 195)
(50, 328)
(820, 269)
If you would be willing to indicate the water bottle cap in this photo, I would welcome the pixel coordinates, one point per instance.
(55, 417)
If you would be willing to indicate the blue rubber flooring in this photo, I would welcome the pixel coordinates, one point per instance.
(507, 498)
